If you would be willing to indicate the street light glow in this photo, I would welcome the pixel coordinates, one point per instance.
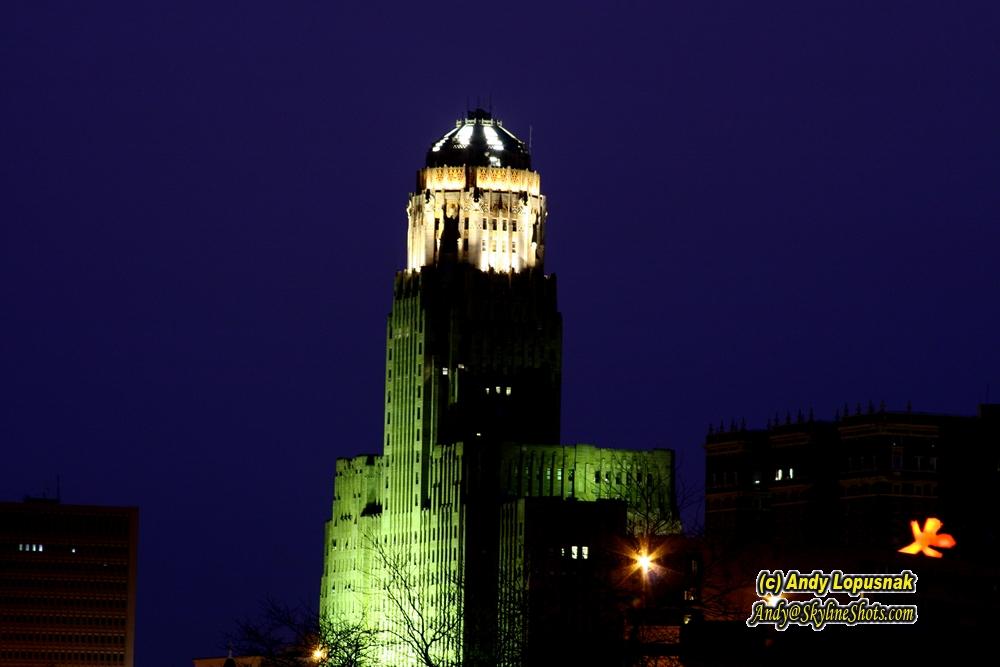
(644, 562)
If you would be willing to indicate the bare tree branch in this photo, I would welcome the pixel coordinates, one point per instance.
(287, 636)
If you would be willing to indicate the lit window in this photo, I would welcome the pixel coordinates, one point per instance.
(586, 552)
(573, 550)
(492, 138)
(444, 371)
(464, 135)
(791, 473)
(778, 475)
(508, 391)
(487, 391)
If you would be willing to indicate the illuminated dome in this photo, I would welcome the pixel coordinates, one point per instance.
(479, 141)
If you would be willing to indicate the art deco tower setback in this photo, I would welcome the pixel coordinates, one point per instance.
(472, 395)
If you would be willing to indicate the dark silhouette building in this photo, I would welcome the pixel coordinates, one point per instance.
(67, 584)
(856, 481)
(808, 494)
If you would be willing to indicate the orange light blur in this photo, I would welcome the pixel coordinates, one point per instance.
(644, 562)
(924, 540)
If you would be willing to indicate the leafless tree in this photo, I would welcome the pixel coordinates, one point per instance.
(512, 617)
(287, 636)
(429, 616)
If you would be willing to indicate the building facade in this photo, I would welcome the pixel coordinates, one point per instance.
(845, 494)
(472, 397)
(857, 480)
(67, 584)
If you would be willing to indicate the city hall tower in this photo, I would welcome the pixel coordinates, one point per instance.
(423, 543)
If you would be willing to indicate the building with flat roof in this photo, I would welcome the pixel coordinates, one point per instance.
(67, 584)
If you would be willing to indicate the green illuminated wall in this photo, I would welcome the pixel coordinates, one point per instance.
(472, 370)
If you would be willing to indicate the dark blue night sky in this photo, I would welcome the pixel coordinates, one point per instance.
(754, 208)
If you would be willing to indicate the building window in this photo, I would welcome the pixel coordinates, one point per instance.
(504, 225)
(466, 224)
(597, 477)
(513, 225)
(778, 475)
(494, 224)
(573, 551)
(585, 552)
(791, 473)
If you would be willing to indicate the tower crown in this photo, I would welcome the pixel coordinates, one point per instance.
(480, 141)
(477, 201)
